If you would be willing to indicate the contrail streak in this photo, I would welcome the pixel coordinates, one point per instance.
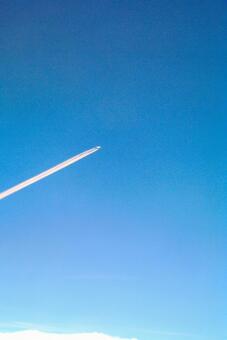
(46, 173)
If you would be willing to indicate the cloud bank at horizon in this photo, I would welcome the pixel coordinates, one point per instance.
(37, 335)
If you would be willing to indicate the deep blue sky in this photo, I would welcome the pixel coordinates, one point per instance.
(131, 240)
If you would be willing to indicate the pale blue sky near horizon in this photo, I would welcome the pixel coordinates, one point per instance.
(130, 241)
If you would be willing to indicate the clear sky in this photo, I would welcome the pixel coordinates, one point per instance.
(131, 240)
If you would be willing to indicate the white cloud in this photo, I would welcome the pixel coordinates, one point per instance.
(37, 335)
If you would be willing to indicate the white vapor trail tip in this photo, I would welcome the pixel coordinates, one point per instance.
(47, 173)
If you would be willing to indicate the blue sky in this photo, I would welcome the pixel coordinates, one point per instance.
(130, 241)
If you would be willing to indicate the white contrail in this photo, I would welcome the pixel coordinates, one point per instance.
(46, 173)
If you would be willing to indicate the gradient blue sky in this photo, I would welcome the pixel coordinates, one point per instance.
(129, 241)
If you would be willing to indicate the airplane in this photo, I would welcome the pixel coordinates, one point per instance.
(47, 173)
